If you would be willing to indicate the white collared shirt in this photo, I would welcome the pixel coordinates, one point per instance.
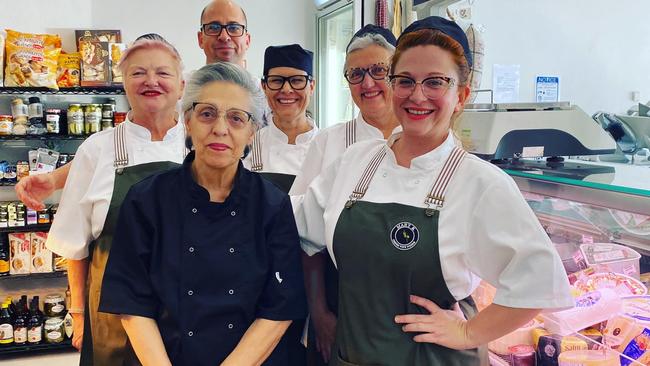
(328, 146)
(486, 229)
(89, 187)
(278, 156)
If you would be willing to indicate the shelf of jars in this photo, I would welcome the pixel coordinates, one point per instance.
(107, 90)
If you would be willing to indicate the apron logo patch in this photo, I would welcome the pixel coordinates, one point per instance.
(404, 236)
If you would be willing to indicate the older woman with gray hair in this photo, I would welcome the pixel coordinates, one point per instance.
(366, 68)
(205, 265)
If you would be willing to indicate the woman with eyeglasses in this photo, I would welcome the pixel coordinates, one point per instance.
(205, 266)
(414, 222)
(366, 68)
(278, 149)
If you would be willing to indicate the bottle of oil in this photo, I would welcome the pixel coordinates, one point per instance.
(6, 326)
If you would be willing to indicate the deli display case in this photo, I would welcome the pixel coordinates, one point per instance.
(598, 217)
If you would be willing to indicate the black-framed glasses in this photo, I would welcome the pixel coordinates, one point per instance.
(214, 29)
(433, 88)
(355, 75)
(209, 113)
(276, 82)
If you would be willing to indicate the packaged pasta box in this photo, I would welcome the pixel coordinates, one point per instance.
(19, 253)
(68, 70)
(97, 35)
(116, 50)
(41, 258)
(95, 63)
(31, 59)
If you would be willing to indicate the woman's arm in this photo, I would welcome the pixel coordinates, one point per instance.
(450, 329)
(34, 189)
(77, 272)
(257, 343)
(146, 340)
(324, 320)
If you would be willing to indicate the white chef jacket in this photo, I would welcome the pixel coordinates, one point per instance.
(88, 190)
(278, 156)
(328, 146)
(486, 230)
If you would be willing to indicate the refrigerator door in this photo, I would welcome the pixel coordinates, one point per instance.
(335, 26)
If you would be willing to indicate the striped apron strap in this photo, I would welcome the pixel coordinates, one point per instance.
(350, 132)
(364, 182)
(256, 157)
(436, 196)
(121, 153)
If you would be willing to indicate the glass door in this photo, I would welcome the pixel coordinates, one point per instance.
(336, 25)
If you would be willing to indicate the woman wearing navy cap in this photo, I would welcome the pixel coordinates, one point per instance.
(414, 222)
(205, 264)
(278, 149)
(366, 67)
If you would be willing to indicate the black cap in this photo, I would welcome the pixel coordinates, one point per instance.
(288, 56)
(445, 26)
(374, 29)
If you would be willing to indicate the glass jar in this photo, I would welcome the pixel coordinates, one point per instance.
(93, 117)
(75, 120)
(52, 119)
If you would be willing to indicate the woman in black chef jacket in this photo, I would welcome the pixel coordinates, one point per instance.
(205, 265)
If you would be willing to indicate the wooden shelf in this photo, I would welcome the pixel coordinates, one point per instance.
(14, 350)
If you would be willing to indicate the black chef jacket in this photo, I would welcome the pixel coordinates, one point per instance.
(203, 270)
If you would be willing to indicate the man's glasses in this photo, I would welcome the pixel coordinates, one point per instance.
(276, 82)
(433, 88)
(356, 75)
(214, 29)
(208, 114)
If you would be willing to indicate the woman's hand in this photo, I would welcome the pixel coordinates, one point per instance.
(33, 189)
(447, 328)
(77, 330)
(325, 328)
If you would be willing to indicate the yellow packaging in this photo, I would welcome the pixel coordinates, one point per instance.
(67, 75)
(116, 51)
(588, 358)
(31, 59)
(615, 334)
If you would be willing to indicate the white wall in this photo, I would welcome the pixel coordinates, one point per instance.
(270, 22)
(599, 48)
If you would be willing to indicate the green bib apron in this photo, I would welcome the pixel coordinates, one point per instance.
(105, 342)
(296, 353)
(398, 257)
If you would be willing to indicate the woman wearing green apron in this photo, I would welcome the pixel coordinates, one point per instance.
(278, 149)
(414, 223)
(106, 165)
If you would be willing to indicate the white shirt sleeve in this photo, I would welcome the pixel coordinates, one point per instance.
(509, 249)
(71, 232)
(310, 208)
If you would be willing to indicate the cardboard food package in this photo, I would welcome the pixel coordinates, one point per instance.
(41, 259)
(94, 48)
(19, 253)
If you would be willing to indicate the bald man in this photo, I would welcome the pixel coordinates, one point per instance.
(223, 35)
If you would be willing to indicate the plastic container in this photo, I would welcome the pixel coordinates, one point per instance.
(621, 284)
(571, 257)
(589, 358)
(608, 257)
(591, 308)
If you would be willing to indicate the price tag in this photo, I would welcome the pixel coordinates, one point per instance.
(587, 239)
(629, 270)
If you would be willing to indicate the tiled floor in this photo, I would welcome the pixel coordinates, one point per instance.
(45, 359)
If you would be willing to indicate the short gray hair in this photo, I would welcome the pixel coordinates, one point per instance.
(228, 72)
(367, 40)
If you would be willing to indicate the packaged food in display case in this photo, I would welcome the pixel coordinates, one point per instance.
(609, 257)
(31, 59)
(19, 253)
(41, 259)
(591, 308)
(68, 70)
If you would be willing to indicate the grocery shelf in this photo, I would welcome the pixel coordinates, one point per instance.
(97, 90)
(14, 350)
(47, 136)
(26, 229)
(35, 276)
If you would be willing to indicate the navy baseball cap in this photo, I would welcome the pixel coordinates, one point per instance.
(289, 56)
(374, 29)
(445, 26)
